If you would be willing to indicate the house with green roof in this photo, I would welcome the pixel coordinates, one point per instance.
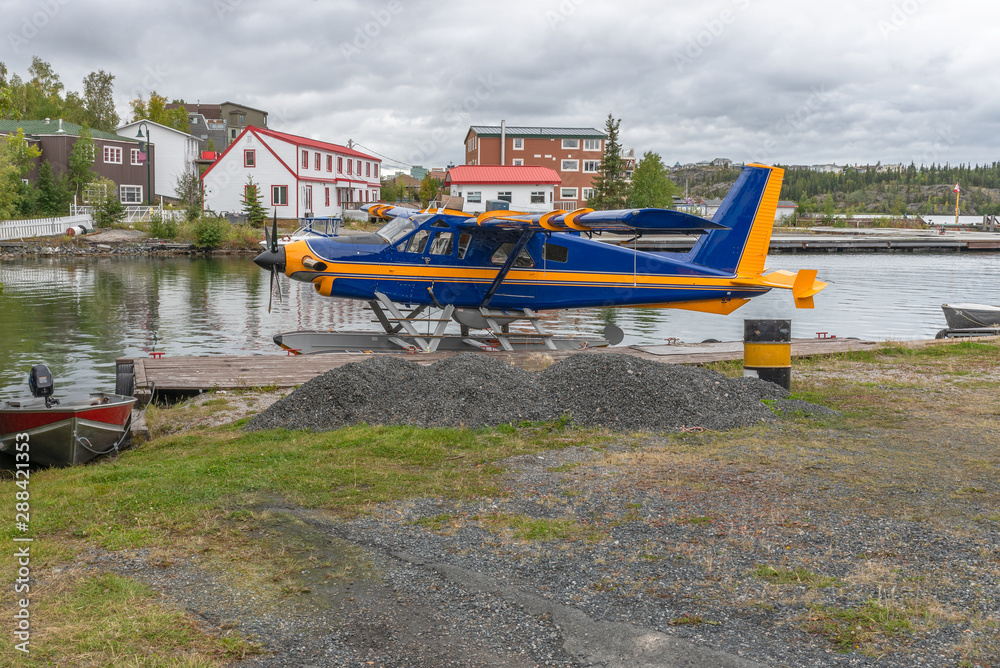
(117, 158)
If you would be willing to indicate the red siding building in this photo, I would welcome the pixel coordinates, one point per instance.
(573, 153)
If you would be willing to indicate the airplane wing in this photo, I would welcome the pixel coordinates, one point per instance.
(387, 212)
(624, 221)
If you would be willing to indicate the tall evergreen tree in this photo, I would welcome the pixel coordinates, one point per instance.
(610, 187)
(252, 206)
(81, 161)
(650, 185)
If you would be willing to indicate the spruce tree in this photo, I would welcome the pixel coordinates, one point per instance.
(253, 208)
(610, 187)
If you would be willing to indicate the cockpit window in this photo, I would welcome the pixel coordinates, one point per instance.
(442, 243)
(523, 259)
(396, 229)
(417, 242)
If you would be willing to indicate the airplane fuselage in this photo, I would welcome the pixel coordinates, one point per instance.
(436, 263)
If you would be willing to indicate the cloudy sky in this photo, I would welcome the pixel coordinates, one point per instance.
(854, 81)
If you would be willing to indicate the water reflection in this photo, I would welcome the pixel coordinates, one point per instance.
(79, 315)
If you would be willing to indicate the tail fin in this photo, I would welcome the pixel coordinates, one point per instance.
(748, 211)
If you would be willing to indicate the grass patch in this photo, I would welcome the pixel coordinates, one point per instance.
(109, 620)
(691, 620)
(530, 529)
(798, 576)
(858, 628)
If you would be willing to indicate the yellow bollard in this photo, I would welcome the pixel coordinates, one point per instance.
(767, 351)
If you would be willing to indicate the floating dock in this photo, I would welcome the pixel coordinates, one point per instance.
(190, 375)
(846, 241)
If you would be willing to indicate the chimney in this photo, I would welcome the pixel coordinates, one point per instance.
(503, 142)
(60, 130)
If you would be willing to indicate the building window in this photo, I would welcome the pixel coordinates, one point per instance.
(340, 165)
(305, 159)
(112, 155)
(591, 144)
(570, 165)
(279, 195)
(518, 162)
(474, 197)
(588, 193)
(243, 119)
(137, 157)
(131, 194)
(359, 168)
(317, 161)
(350, 167)
(567, 193)
(249, 158)
(327, 193)
(329, 163)
(232, 133)
(368, 169)
(591, 166)
(571, 143)
(375, 170)
(518, 143)
(505, 195)
(538, 197)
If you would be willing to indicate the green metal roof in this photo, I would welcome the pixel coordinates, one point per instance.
(541, 133)
(36, 128)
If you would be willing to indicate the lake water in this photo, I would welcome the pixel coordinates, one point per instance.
(79, 315)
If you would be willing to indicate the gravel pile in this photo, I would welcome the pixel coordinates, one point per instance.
(607, 390)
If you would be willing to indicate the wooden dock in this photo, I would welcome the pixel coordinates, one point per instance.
(190, 375)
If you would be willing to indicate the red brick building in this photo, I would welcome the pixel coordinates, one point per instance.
(574, 153)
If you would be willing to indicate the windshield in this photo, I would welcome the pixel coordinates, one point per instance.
(396, 229)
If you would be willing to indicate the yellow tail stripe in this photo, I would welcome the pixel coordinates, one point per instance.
(755, 253)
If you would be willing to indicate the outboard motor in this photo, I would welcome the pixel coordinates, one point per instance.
(41, 384)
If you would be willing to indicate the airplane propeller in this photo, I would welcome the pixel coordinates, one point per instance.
(272, 259)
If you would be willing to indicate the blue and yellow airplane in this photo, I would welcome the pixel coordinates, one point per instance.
(535, 262)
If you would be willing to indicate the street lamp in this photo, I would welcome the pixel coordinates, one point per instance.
(144, 147)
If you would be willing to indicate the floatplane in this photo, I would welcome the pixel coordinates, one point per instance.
(489, 270)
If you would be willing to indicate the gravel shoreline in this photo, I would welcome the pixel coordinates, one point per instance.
(664, 568)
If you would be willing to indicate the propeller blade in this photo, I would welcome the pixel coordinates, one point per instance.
(270, 291)
(274, 233)
(277, 281)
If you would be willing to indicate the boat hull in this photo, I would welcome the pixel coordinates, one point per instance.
(73, 432)
(971, 316)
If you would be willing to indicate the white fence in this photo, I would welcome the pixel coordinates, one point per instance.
(135, 213)
(42, 227)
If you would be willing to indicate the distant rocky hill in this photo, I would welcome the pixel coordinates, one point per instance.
(924, 191)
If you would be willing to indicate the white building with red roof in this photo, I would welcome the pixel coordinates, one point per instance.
(526, 188)
(296, 176)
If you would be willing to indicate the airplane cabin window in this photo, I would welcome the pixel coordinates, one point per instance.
(396, 229)
(554, 253)
(463, 244)
(523, 259)
(442, 243)
(418, 242)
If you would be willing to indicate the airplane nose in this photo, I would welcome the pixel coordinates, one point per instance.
(269, 259)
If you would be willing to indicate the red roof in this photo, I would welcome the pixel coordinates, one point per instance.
(313, 143)
(509, 174)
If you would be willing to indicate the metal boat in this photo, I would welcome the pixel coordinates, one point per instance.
(63, 432)
(312, 228)
(971, 316)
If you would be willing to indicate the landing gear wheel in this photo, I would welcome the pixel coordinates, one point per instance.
(943, 334)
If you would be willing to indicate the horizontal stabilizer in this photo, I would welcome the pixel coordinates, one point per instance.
(627, 221)
(803, 284)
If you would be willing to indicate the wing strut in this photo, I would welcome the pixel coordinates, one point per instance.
(502, 274)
